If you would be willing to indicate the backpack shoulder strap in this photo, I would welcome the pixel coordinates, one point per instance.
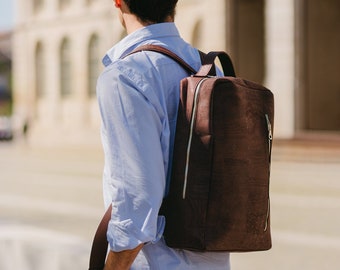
(166, 52)
(208, 67)
(100, 243)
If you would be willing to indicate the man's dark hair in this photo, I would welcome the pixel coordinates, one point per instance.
(152, 11)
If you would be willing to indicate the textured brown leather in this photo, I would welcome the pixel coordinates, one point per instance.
(100, 243)
(226, 207)
(227, 199)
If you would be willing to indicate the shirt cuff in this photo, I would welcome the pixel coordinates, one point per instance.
(124, 235)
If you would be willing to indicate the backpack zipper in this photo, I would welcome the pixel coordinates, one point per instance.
(270, 141)
(191, 132)
(270, 134)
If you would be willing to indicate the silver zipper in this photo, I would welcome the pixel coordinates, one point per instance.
(270, 134)
(192, 124)
(270, 141)
(267, 217)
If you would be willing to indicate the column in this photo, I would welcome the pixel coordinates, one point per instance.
(280, 63)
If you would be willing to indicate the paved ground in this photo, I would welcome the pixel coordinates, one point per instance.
(50, 203)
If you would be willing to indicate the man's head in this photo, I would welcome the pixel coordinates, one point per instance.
(152, 11)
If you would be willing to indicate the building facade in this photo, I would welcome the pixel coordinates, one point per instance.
(290, 46)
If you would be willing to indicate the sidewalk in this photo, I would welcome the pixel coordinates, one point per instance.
(308, 149)
(51, 202)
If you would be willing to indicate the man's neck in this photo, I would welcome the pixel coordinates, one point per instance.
(132, 24)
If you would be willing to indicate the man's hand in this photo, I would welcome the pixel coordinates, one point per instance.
(121, 260)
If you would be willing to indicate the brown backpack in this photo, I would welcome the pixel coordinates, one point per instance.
(219, 191)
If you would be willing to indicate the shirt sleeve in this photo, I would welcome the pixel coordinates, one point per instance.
(134, 164)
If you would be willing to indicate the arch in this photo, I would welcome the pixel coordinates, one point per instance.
(65, 69)
(93, 64)
(39, 58)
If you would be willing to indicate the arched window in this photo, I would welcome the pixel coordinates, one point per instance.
(65, 69)
(93, 64)
(37, 5)
(39, 71)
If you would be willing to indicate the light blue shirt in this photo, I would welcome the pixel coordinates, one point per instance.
(138, 99)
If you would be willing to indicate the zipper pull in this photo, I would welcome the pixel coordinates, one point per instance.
(270, 136)
(269, 126)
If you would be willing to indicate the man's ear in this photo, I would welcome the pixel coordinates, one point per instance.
(118, 3)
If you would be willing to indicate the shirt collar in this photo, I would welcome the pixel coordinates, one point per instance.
(144, 35)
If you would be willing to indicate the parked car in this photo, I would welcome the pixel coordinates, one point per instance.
(6, 131)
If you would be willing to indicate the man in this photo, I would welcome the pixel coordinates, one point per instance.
(138, 98)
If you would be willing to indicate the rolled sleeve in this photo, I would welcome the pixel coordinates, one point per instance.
(134, 174)
(125, 235)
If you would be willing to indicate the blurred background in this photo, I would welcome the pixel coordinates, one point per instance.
(50, 154)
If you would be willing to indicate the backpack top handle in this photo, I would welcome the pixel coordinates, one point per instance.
(208, 67)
